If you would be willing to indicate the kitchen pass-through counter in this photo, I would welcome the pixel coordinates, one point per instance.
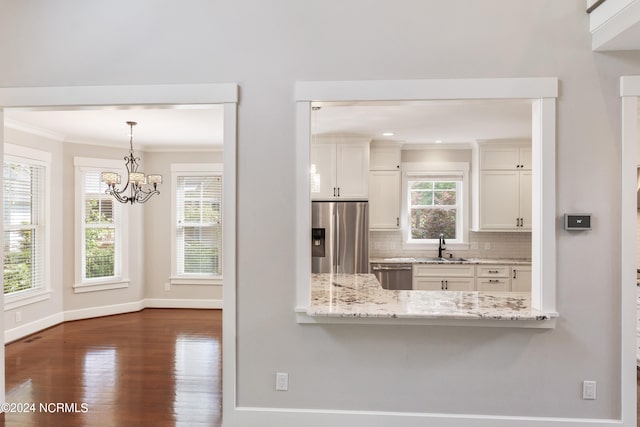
(340, 296)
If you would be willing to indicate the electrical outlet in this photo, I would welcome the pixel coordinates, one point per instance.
(474, 246)
(282, 381)
(589, 390)
(18, 316)
(487, 246)
(167, 286)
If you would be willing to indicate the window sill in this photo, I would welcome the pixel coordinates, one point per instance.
(209, 281)
(80, 288)
(26, 298)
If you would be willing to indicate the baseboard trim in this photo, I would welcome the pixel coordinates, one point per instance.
(105, 310)
(282, 417)
(22, 331)
(182, 303)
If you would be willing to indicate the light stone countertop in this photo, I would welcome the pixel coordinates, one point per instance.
(360, 295)
(435, 260)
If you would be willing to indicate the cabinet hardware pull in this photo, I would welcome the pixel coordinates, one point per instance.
(514, 273)
(446, 284)
(493, 281)
(517, 222)
(334, 191)
(338, 191)
(493, 271)
(397, 221)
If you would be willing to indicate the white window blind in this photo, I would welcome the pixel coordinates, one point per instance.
(198, 225)
(24, 226)
(100, 228)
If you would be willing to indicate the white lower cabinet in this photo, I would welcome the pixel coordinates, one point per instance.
(493, 278)
(466, 277)
(521, 279)
(443, 277)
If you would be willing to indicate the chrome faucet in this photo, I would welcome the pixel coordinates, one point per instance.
(442, 245)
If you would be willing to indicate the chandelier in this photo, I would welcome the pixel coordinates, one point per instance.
(133, 191)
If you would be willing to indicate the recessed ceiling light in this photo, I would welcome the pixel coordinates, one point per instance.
(388, 134)
(438, 141)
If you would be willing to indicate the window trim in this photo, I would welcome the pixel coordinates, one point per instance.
(120, 280)
(44, 159)
(190, 169)
(436, 169)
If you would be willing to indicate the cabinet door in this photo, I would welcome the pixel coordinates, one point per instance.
(459, 284)
(495, 285)
(385, 158)
(507, 157)
(525, 199)
(525, 157)
(499, 200)
(323, 171)
(422, 284)
(521, 279)
(384, 200)
(353, 171)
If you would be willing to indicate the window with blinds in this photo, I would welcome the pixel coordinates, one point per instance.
(24, 223)
(100, 228)
(198, 204)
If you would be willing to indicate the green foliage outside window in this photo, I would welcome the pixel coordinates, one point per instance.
(433, 209)
(18, 260)
(99, 242)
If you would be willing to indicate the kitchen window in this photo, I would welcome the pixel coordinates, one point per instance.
(101, 223)
(434, 203)
(26, 218)
(197, 224)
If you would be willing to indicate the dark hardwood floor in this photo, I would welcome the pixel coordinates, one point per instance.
(157, 367)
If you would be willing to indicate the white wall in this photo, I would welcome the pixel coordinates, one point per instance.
(266, 47)
(84, 301)
(157, 231)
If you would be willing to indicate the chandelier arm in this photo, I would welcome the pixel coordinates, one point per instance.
(147, 195)
(117, 195)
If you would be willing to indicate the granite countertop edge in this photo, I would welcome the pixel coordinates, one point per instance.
(361, 296)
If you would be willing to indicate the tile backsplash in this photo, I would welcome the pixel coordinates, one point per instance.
(481, 245)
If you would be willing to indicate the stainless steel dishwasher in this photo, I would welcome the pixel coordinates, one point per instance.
(394, 276)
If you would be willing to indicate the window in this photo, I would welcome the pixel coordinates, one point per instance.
(26, 183)
(197, 224)
(434, 208)
(101, 223)
(435, 200)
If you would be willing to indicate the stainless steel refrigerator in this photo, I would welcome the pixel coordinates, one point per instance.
(340, 237)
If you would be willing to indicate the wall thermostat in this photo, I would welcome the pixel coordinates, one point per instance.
(577, 222)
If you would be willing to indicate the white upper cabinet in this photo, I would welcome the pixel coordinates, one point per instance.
(384, 200)
(340, 169)
(385, 158)
(384, 188)
(505, 157)
(502, 187)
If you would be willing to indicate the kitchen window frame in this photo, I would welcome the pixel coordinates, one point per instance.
(437, 170)
(542, 91)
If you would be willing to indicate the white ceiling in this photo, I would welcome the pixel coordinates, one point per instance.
(188, 127)
(425, 122)
(200, 127)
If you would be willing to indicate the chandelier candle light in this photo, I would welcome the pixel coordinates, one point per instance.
(135, 179)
